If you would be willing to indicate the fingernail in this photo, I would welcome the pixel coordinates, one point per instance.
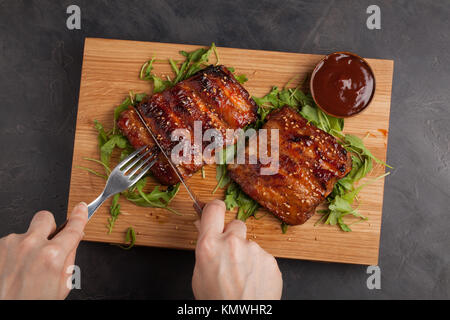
(218, 203)
(83, 204)
(197, 224)
(82, 207)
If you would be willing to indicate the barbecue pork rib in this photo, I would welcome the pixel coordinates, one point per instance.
(310, 163)
(212, 96)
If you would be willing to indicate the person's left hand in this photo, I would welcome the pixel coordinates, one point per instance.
(33, 267)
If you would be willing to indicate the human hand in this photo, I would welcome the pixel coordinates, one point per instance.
(33, 267)
(228, 266)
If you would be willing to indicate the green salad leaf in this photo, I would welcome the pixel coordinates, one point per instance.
(194, 61)
(117, 111)
(235, 197)
(114, 211)
(116, 140)
(130, 238)
(156, 198)
(242, 78)
(284, 227)
(225, 155)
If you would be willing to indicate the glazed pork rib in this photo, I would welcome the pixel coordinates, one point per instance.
(310, 163)
(212, 96)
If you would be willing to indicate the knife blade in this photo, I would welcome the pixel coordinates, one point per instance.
(198, 205)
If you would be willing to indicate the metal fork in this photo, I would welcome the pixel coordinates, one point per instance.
(137, 166)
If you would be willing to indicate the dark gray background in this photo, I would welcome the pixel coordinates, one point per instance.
(40, 66)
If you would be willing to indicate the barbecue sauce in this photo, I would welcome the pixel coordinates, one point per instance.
(342, 84)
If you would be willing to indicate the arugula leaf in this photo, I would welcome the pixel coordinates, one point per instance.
(117, 111)
(102, 136)
(302, 98)
(356, 145)
(174, 67)
(270, 98)
(114, 210)
(224, 156)
(146, 70)
(310, 114)
(156, 198)
(284, 227)
(194, 62)
(139, 97)
(216, 53)
(107, 169)
(231, 196)
(343, 226)
(109, 141)
(131, 100)
(340, 204)
(221, 177)
(116, 140)
(321, 120)
(130, 236)
(242, 78)
(235, 197)
(98, 174)
(338, 208)
(159, 84)
(126, 151)
(247, 206)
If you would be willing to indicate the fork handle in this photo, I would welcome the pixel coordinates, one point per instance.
(92, 207)
(57, 230)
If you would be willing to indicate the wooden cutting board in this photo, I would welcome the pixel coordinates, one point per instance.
(110, 70)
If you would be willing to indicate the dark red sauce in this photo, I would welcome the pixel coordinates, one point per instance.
(384, 132)
(342, 84)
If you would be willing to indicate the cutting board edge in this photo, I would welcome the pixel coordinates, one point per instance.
(363, 262)
(222, 47)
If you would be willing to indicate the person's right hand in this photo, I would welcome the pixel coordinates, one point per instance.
(228, 266)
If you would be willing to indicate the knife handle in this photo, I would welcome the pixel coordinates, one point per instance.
(198, 206)
(57, 230)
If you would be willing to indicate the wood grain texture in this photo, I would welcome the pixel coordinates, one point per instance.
(110, 70)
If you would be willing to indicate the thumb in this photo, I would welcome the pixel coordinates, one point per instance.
(213, 218)
(71, 235)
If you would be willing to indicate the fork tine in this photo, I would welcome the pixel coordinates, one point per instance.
(144, 171)
(131, 156)
(139, 166)
(137, 160)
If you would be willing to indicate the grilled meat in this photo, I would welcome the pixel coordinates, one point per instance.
(310, 163)
(212, 96)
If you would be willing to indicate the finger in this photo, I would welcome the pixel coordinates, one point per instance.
(213, 217)
(43, 223)
(237, 227)
(71, 235)
(197, 224)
